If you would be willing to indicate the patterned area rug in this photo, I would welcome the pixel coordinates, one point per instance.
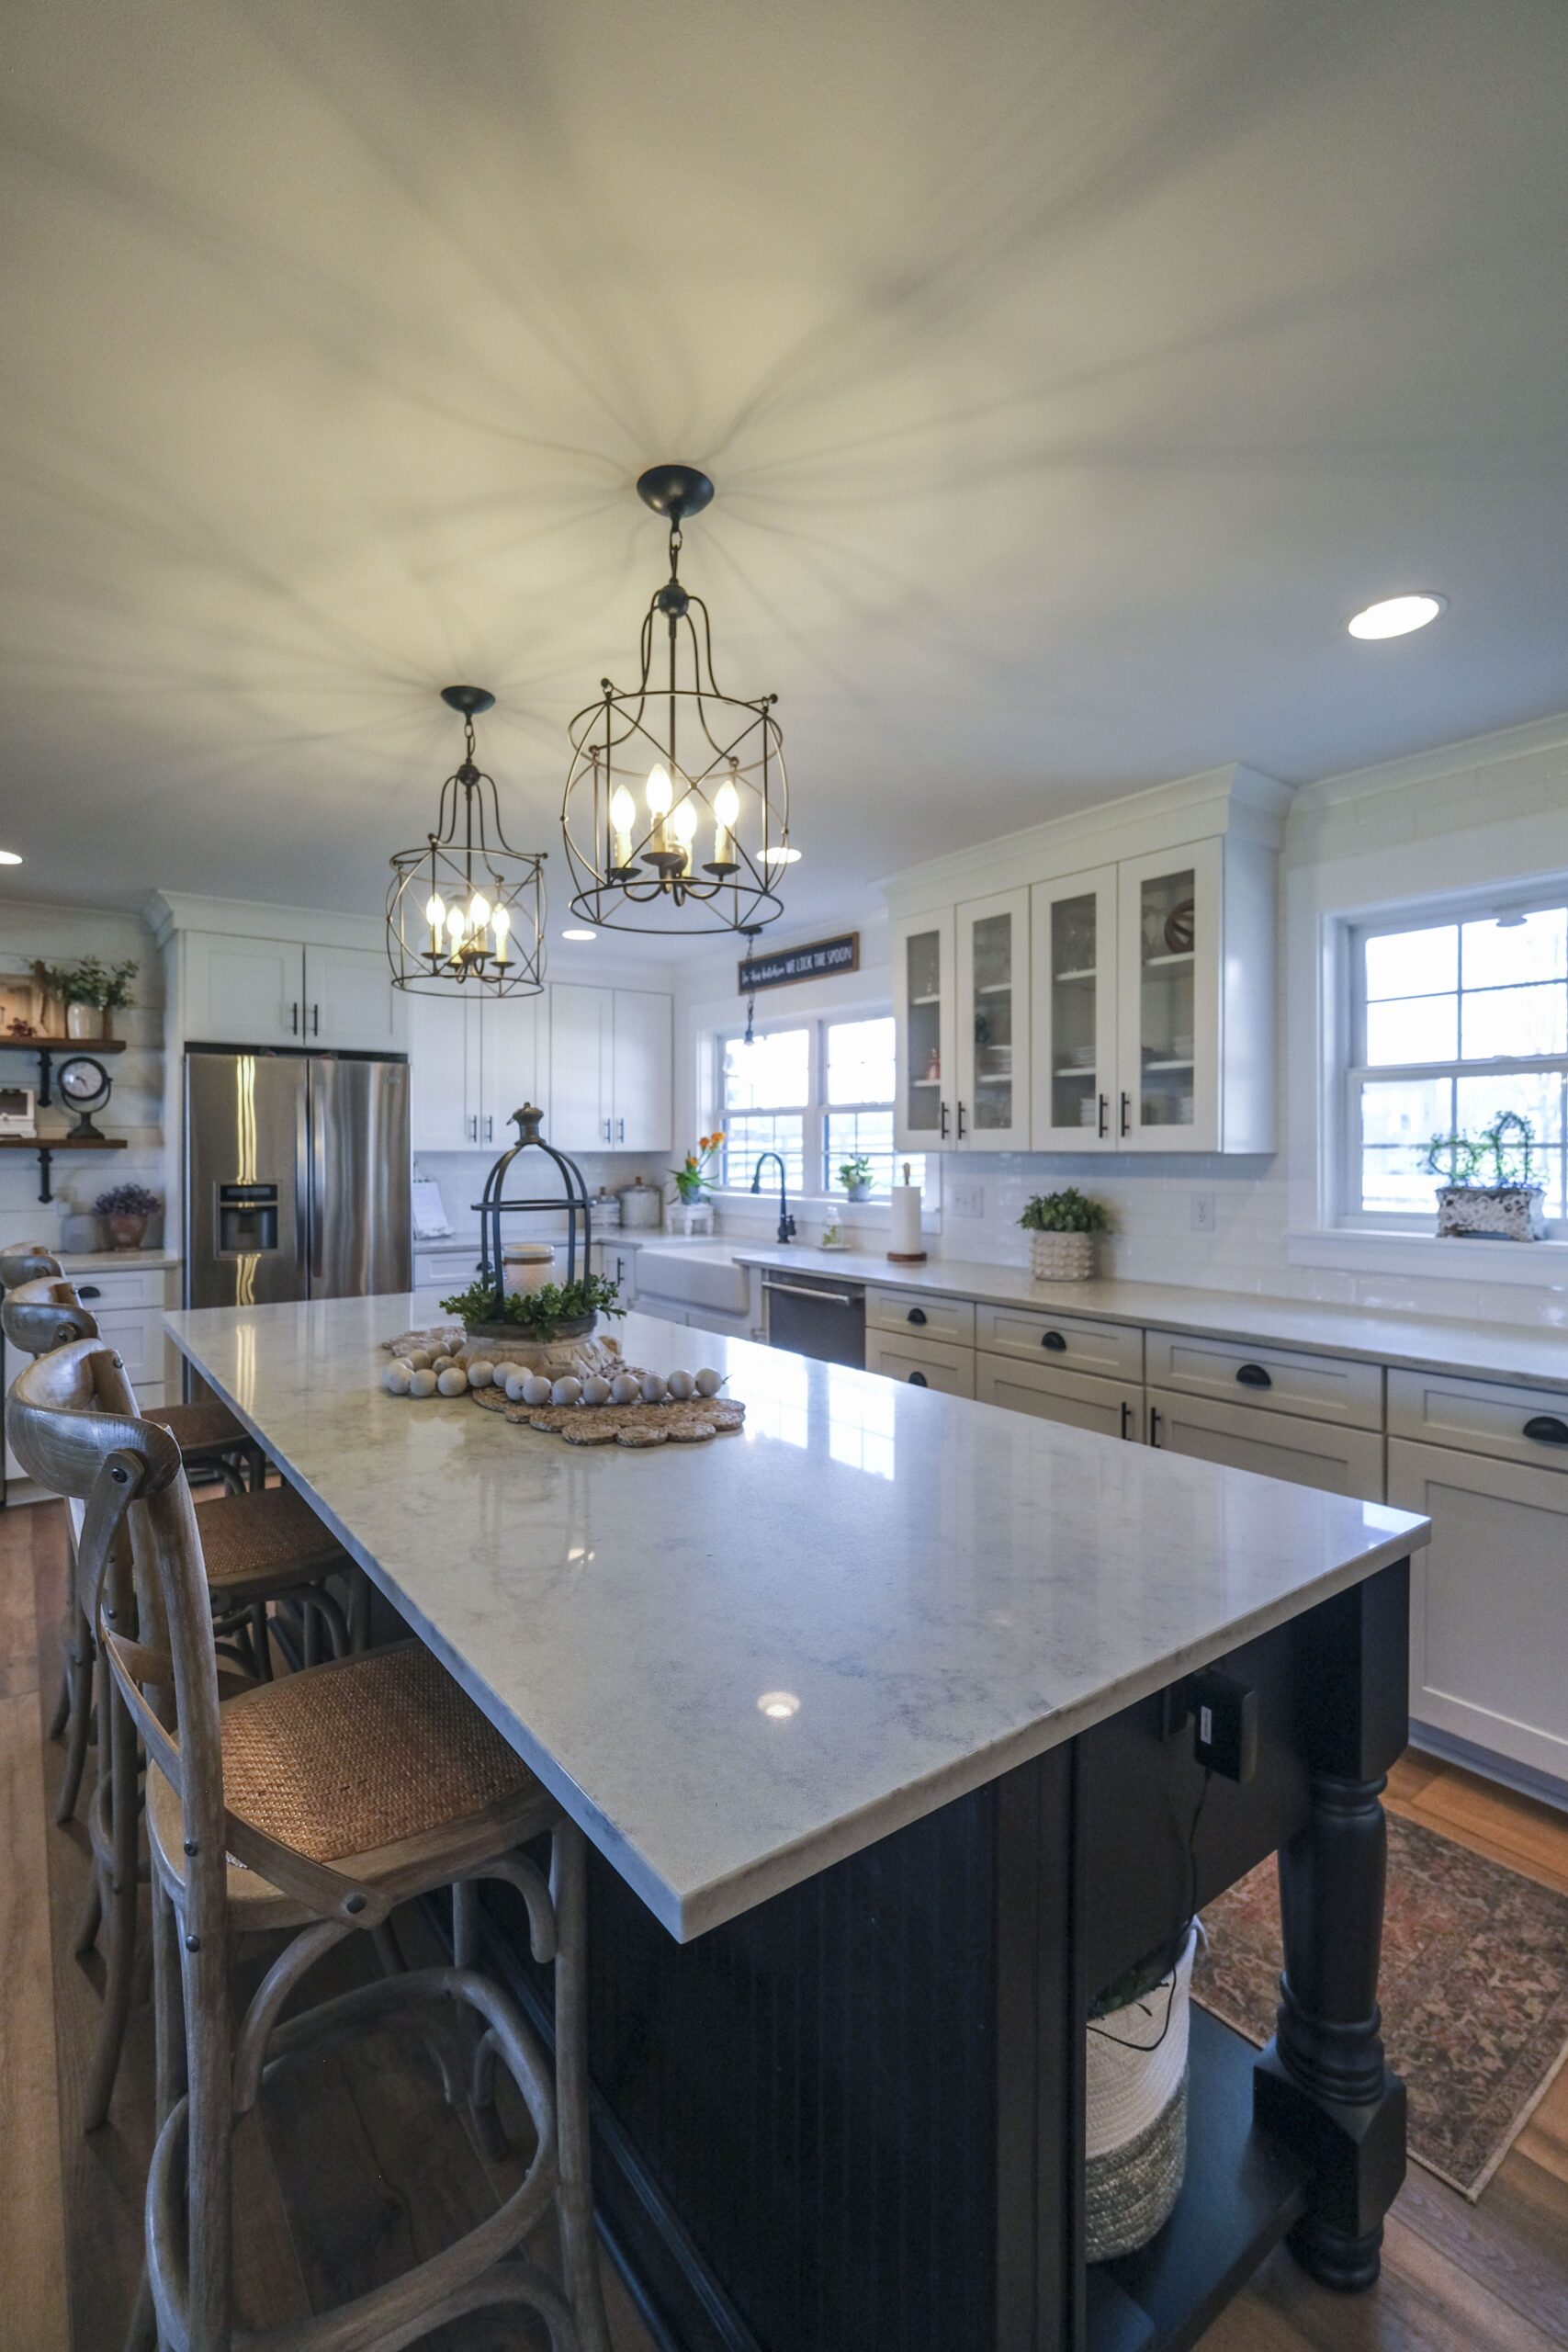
(1474, 1992)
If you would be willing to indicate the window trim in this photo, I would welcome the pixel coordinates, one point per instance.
(1457, 907)
(815, 1113)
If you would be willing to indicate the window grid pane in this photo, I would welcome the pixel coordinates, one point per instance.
(748, 1134)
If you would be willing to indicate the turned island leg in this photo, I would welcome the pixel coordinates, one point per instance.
(1322, 2084)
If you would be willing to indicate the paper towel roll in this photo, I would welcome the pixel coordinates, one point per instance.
(904, 1222)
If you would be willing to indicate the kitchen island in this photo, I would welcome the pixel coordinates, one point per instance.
(875, 1715)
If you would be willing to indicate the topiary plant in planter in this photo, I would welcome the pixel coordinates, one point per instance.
(1062, 1226)
(1489, 1194)
(558, 1311)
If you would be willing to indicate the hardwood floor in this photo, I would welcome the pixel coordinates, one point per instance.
(358, 2166)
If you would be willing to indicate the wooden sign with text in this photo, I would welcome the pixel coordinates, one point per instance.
(814, 963)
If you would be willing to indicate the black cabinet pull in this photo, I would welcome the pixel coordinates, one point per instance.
(919, 1380)
(1126, 1114)
(917, 1314)
(1545, 1428)
(1105, 1112)
(294, 1019)
(89, 1290)
(961, 1122)
(1054, 1342)
(943, 1109)
(1252, 1375)
(1154, 1425)
(1126, 1418)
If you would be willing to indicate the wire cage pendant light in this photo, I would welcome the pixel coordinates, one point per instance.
(676, 811)
(467, 910)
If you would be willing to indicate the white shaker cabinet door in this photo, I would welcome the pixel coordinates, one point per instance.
(443, 1054)
(1488, 1601)
(581, 1066)
(642, 1058)
(1277, 1445)
(350, 1002)
(514, 1065)
(244, 991)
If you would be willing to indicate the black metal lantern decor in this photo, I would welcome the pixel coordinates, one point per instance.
(493, 1205)
(467, 910)
(676, 812)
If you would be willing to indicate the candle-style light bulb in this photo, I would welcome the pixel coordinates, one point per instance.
(661, 792)
(623, 817)
(456, 926)
(499, 925)
(683, 825)
(726, 809)
(435, 916)
(479, 911)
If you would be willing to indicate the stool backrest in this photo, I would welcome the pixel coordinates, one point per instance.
(43, 1314)
(27, 1262)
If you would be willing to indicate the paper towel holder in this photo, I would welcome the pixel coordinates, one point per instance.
(905, 1223)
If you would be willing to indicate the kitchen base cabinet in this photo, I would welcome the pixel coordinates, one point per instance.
(1277, 1445)
(924, 1363)
(1489, 1602)
(1106, 1407)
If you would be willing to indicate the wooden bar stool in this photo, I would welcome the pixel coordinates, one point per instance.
(315, 1802)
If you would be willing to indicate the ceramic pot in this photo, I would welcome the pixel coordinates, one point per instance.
(84, 1020)
(860, 1191)
(1491, 1212)
(1061, 1257)
(125, 1232)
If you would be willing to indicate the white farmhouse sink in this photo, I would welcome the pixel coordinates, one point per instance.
(693, 1278)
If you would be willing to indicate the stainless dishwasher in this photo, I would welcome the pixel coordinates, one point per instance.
(815, 1316)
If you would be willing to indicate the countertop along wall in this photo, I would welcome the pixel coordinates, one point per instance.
(135, 1109)
(1494, 810)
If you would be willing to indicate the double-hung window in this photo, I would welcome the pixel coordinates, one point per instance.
(1454, 1020)
(820, 1093)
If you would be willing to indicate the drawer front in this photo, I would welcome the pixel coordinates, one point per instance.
(1277, 1445)
(1269, 1380)
(1066, 1342)
(1109, 1407)
(924, 1363)
(147, 1286)
(138, 1340)
(911, 1312)
(1481, 1417)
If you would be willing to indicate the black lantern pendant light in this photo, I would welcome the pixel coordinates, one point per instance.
(676, 814)
(467, 910)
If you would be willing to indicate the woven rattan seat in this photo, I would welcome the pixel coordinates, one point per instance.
(195, 1428)
(265, 1542)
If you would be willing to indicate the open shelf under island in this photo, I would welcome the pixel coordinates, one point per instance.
(842, 1953)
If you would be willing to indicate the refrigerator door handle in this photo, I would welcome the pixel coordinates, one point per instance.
(318, 1188)
(304, 1219)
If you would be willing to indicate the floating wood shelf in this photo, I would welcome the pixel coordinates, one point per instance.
(47, 1048)
(47, 1145)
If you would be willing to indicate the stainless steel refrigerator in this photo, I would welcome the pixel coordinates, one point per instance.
(297, 1176)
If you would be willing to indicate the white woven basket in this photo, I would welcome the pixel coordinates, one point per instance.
(1061, 1257)
(1136, 2113)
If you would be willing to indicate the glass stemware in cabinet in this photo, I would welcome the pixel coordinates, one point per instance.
(1074, 1009)
(1165, 1015)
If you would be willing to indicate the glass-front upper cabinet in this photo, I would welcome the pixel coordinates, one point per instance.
(991, 1109)
(1074, 963)
(1168, 1094)
(923, 1002)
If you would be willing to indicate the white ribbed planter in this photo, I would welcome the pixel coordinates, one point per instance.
(1061, 1257)
(1136, 2113)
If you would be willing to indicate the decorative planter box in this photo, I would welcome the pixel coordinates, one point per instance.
(1061, 1257)
(1491, 1212)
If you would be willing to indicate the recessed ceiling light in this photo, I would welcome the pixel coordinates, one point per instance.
(780, 856)
(10, 858)
(1397, 616)
(579, 934)
(779, 1704)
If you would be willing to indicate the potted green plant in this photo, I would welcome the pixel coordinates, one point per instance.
(692, 1209)
(1489, 1194)
(126, 1210)
(1061, 1228)
(854, 1175)
(90, 991)
(558, 1311)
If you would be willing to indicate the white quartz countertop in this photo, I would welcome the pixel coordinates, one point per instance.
(735, 1663)
(116, 1261)
(1423, 1342)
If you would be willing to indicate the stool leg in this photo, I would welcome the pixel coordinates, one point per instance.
(62, 1714)
(78, 1694)
(120, 1962)
(579, 2250)
(210, 2066)
(169, 2029)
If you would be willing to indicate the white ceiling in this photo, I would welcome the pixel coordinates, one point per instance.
(1069, 370)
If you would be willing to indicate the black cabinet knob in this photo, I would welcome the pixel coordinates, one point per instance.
(89, 1290)
(917, 1314)
(1252, 1375)
(919, 1380)
(1545, 1428)
(1054, 1342)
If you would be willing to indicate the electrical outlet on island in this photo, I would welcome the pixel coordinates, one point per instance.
(1203, 1212)
(968, 1200)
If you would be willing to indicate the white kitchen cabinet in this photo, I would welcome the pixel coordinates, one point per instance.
(1277, 1445)
(1062, 1342)
(472, 1062)
(1267, 1379)
(924, 1363)
(1107, 1407)
(914, 1314)
(1489, 1602)
(514, 1064)
(924, 1018)
(1072, 1061)
(611, 1069)
(991, 1105)
(244, 991)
